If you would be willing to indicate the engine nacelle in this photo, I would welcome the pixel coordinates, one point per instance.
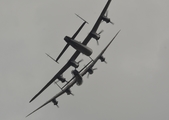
(68, 91)
(55, 102)
(61, 78)
(90, 71)
(102, 59)
(106, 19)
(95, 35)
(74, 64)
(79, 80)
(75, 73)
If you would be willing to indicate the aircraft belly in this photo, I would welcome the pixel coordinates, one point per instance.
(81, 48)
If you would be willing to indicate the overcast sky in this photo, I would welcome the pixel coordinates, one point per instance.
(133, 85)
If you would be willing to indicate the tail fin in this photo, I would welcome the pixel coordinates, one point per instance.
(51, 57)
(81, 18)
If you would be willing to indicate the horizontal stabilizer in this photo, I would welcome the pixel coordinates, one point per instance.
(51, 57)
(81, 18)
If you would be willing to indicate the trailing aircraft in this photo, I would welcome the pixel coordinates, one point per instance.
(103, 17)
(76, 79)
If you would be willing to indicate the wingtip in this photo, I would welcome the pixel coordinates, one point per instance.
(31, 100)
(81, 18)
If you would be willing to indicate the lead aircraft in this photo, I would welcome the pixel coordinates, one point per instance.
(93, 34)
(76, 79)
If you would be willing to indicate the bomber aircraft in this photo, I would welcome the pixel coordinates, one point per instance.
(77, 78)
(103, 17)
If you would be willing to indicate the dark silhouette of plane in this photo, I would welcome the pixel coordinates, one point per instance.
(76, 79)
(72, 62)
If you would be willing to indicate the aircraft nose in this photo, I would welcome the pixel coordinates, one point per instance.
(67, 39)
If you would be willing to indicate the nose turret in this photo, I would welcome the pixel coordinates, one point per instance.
(67, 39)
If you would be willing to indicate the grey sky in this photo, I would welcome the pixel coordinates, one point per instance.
(132, 86)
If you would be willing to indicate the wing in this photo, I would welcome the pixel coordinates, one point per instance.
(95, 27)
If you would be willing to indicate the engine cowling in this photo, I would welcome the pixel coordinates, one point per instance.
(106, 19)
(55, 102)
(61, 78)
(95, 35)
(68, 91)
(79, 80)
(90, 71)
(102, 59)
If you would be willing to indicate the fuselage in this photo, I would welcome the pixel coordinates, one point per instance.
(78, 46)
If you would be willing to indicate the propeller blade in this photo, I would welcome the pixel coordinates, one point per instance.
(100, 32)
(88, 75)
(97, 42)
(94, 69)
(111, 22)
(80, 61)
(106, 13)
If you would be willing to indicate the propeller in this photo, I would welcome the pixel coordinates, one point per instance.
(99, 35)
(100, 32)
(105, 62)
(108, 19)
(91, 71)
(80, 61)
